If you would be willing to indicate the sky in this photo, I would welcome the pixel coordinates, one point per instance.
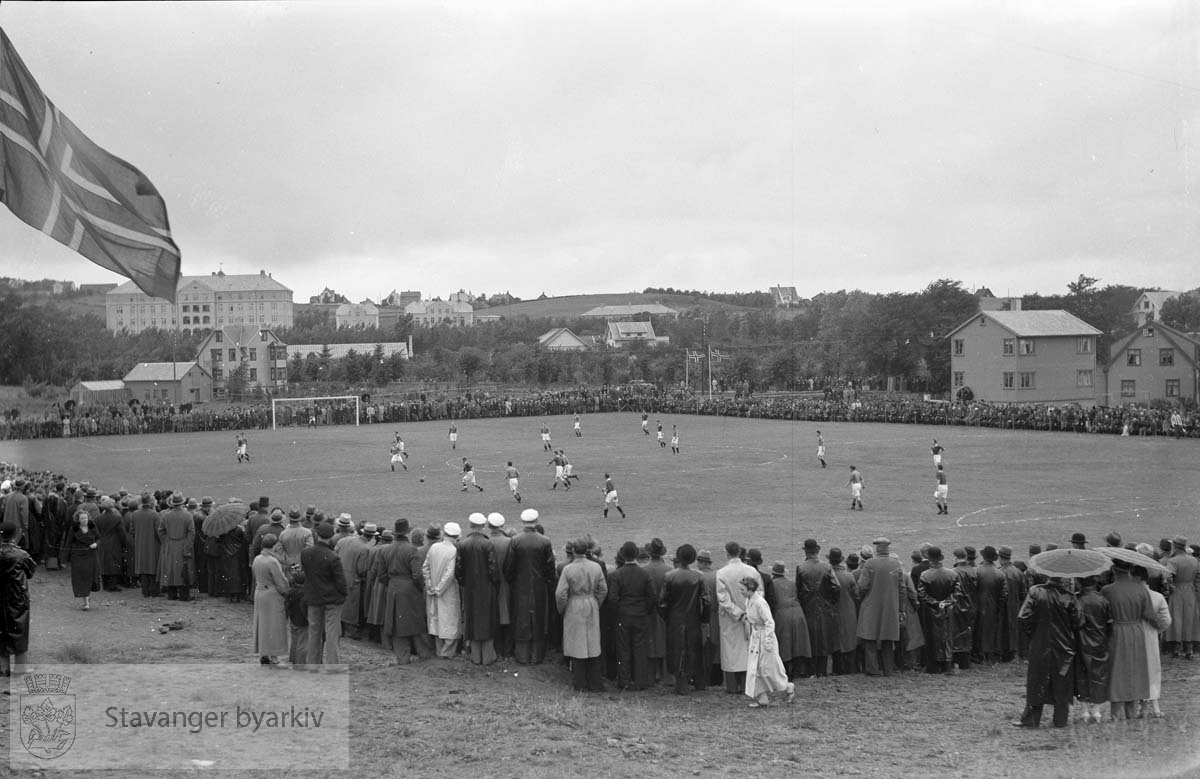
(570, 148)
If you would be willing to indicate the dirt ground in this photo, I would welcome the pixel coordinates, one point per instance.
(446, 717)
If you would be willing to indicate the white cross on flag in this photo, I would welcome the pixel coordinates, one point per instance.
(55, 179)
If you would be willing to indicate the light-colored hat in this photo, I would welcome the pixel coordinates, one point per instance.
(495, 519)
(452, 529)
(529, 515)
(343, 520)
(882, 541)
(369, 529)
(6, 485)
(1145, 549)
(176, 499)
(477, 519)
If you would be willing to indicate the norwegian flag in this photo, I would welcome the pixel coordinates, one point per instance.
(54, 178)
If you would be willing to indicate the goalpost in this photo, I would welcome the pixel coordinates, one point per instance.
(355, 398)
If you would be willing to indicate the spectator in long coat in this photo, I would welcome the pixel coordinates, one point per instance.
(1091, 663)
(479, 577)
(882, 588)
(1010, 631)
(176, 532)
(443, 603)
(818, 591)
(225, 569)
(684, 606)
(110, 527)
(845, 641)
(657, 647)
(147, 550)
(939, 593)
(529, 569)
(15, 509)
(731, 602)
(631, 596)
(79, 549)
(968, 614)
(1051, 617)
(791, 629)
(294, 539)
(270, 615)
(353, 550)
(405, 626)
(199, 514)
(1129, 669)
(1162, 612)
(16, 568)
(712, 648)
(1184, 632)
(993, 604)
(580, 591)
(501, 542)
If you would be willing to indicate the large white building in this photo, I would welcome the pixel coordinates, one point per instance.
(202, 303)
(441, 312)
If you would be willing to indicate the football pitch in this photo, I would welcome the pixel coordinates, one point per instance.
(751, 480)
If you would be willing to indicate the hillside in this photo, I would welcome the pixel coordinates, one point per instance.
(572, 306)
(75, 304)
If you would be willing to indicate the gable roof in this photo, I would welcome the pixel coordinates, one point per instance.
(782, 294)
(238, 282)
(562, 338)
(618, 331)
(1156, 297)
(232, 335)
(161, 371)
(102, 386)
(1185, 344)
(1034, 324)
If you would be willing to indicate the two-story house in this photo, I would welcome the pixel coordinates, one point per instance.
(1154, 362)
(1025, 357)
(1150, 303)
(259, 349)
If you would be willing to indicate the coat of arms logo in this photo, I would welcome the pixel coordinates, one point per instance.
(47, 716)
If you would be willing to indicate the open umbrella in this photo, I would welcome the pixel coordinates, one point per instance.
(225, 518)
(1132, 557)
(1070, 563)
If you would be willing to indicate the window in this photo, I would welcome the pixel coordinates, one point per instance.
(216, 356)
(958, 346)
(1133, 358)
(958, 378)
(1083, 378)
(263, 335)
(1147, 332)
(217, 373)
(205, 306)
(1172, 388)
(1084, 345)
(1009, 379)
(253, 354)
(218, 334)
(254, 374)
(206, 322)
(1166, 357)
(1027, 380)
(233, 355)
(1027, 346)
(1128, 388)
(1010, 346)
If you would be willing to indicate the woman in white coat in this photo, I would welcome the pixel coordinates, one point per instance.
(764, 668)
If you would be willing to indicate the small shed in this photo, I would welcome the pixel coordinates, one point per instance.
(86, 393)
(160, 383)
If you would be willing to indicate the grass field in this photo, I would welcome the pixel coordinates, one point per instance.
(756, 481)
(751, 480)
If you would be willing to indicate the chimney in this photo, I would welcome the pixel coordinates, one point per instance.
(262, 272)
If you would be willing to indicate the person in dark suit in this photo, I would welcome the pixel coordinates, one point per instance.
(1051, 617)
(631, 594)
(110, 529)
(324, 593)
(684, 606)
(530, 571)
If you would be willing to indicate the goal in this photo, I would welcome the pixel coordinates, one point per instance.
(277, 402)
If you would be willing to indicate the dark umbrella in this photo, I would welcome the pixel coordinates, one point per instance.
(223, 519)
(1070, 563)
(1132, 557)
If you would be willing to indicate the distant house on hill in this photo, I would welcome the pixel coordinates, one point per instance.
(401, 299)
(784, 297)
(1154, 362)
(989, 302)
(428, 313)
(1150, 303)
(97, 289)
(621, 334)
(631, 310)
(1025, 357)
(561, 339)
(364, 314)
(161, 383)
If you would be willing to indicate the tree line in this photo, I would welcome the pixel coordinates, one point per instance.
(844, 334)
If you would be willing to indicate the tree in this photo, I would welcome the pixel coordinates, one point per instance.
(237, 381)
(1182, 313)
(471, 361)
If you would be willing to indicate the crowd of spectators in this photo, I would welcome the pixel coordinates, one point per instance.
(827, 406)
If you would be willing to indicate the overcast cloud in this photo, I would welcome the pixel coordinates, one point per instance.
(607, 147)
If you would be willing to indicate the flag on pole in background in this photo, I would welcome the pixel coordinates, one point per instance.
(55, 179)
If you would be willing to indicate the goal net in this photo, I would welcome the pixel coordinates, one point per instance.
(328, 410)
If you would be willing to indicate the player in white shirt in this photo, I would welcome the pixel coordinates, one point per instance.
(241, 448)
(513, 475)
(546, 447)
(397, 451)
(674, 439)
(577, 428)
(821, 448)
(453, 434)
